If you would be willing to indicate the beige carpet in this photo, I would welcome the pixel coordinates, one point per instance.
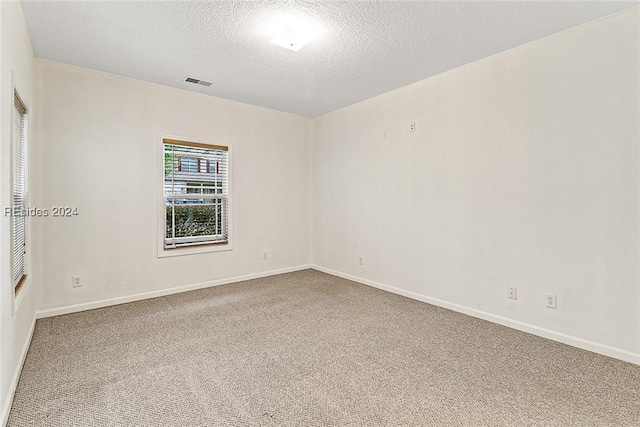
(309, 349)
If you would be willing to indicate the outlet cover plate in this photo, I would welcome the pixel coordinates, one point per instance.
(552, 301)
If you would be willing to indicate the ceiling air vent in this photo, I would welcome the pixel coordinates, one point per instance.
(196, 81)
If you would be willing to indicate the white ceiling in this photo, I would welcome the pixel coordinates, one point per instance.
(368, 47)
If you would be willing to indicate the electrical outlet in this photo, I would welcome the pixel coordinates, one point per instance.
(552, 301)
(77, 282)
(412, 127)
(361, 261)
(265, 255)
(512, 292)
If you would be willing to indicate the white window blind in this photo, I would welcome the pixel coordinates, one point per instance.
(19, 199)
(196, 194)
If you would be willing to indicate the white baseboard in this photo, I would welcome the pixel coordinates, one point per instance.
(595, 347)
(57, 311)
(6, 406)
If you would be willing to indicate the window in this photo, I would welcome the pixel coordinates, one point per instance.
(188, 164)
(19, 194)
(196, 195)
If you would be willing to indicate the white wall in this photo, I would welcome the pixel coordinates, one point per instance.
(16, 317)
(97, 150)
(523, 171)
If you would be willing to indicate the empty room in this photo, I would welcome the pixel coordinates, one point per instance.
(319, 213)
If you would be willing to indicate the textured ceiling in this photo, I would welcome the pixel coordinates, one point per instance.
(367, 48)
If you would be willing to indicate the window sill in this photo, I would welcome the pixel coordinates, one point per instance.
(19, 293)
(193, 250)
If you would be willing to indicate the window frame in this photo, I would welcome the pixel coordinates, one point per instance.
(18, 292)
(161, 212)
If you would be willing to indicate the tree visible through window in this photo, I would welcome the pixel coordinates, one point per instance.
(196, 193)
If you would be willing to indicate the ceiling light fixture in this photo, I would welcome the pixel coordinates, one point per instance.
(293, 32)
